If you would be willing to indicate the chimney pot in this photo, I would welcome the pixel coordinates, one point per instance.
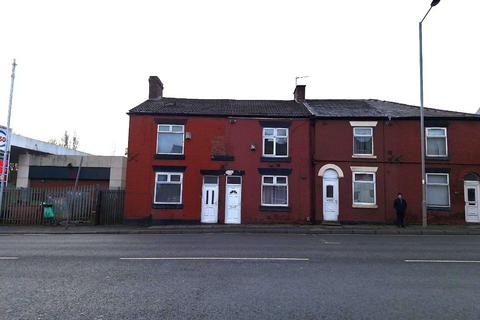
(299, 93)
(155, 88)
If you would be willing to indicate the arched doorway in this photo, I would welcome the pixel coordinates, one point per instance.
(471, 186)
(330, 195)
(331, 174)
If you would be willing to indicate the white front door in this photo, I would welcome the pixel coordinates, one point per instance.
(330, 195)
(471, 192)
(233, 200)
(210, 200)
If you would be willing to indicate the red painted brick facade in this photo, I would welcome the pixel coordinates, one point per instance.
(320, 136)
(397, 151)
(220, 136)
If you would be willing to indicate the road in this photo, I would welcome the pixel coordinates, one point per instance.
(309, 277)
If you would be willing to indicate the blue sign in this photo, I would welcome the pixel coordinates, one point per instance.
(3, 139)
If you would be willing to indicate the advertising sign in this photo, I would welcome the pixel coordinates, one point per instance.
(3, 139)
(3, 170)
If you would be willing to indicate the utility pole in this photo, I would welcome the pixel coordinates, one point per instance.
(422, 119)
(6, 153)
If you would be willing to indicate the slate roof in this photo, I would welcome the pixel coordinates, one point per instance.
(361, 108)
(223, 107)
(377, 109)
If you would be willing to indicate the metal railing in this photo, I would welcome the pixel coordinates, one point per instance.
(84, 204)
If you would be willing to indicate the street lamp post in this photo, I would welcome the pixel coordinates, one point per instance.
(422, 119)
(6, 154)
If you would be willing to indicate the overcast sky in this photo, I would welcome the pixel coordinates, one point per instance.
(83, 64)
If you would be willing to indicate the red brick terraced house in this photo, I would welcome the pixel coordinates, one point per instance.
(296, 161)
(218, 161)
(366, 151)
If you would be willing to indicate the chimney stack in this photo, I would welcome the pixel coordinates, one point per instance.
(299, 93)
(155, 88)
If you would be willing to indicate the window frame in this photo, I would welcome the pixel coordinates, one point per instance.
(168, 174)
(374, 182)
(353, 140)
(171, 131)
(438, 184)
(446, 142)
(274, 155)
(273, 184)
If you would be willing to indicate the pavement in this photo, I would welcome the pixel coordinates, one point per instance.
(263, 228)
(239, 276)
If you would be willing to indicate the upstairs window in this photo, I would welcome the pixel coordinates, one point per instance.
(168, 188)
(275, 191)
(275, 142)
(363, 141)
(170, 138)
(438, 190)
(436, 142)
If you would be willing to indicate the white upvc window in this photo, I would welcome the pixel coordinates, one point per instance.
(275, 191)
(438, 190)
(170, 139)
(437, 145)
(363, 141)
(364, 188)
(168, 188)
(275, 142)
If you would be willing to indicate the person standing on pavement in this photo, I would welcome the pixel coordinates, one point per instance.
(400, 205)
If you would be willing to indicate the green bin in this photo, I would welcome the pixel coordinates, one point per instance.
(48, 212)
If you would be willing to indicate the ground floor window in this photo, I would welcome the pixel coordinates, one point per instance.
(438, 190)
(275, 191)
(364, 188)
(168, 188)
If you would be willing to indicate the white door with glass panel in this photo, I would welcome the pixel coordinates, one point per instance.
(210, 199)
(233, 200)
(472, 213)
(330, 195)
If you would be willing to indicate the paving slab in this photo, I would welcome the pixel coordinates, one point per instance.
(277, 228)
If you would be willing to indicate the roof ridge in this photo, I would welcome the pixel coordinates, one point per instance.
(222, 99)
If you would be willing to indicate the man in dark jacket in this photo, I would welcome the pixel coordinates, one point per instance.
(400, 206)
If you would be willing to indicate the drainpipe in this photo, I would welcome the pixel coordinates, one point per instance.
(313, 177)
(384, 163)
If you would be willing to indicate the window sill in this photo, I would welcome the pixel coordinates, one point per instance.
(216, 157)
(364, 156)
(365, 206)
(275, 209)
(169, 157)
(275, 171)
(275, 159)
(167, 206)
(442, 158)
